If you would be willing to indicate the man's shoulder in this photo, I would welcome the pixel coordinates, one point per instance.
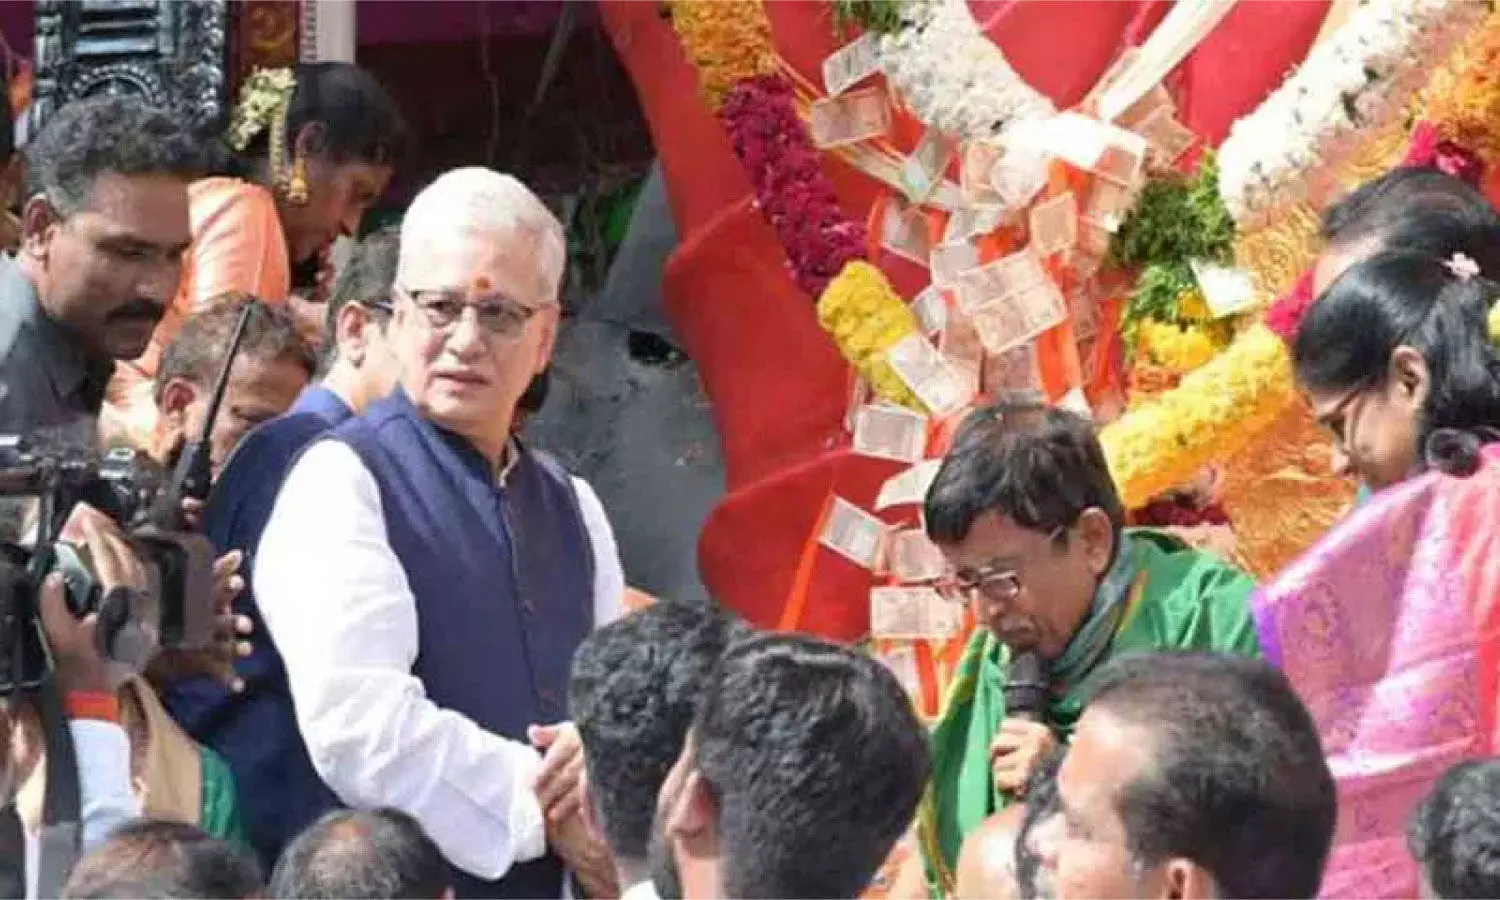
(1196, 599)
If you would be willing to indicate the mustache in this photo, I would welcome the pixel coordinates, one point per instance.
(140, 308)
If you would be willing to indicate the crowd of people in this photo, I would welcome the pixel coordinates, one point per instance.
(424, 680)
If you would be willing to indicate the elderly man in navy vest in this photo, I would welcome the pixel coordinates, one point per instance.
(427, 577)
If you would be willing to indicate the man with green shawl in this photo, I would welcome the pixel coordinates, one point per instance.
(1032, 526)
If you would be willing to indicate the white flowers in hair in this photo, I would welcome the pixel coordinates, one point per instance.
(1462, 266)
(1354, 83)
(952, 76)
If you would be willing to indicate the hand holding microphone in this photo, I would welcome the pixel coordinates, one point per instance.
(1024, 739)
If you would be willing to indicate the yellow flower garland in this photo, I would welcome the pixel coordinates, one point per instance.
(866, 318)
(1212, 413)
(727, 40)
(1179, 349)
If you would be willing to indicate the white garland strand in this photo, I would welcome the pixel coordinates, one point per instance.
(952, 76)
(1356, 82)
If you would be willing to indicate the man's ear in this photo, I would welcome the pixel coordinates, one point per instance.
(37, 221)
(176, 396)
(697, 809)
(1097, 534)
(350, 329)
(1186, 880)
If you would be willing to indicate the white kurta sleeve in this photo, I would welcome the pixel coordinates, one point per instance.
(609, 574)
(337, 604)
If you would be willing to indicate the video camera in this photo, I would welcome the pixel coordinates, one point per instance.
(176, 610)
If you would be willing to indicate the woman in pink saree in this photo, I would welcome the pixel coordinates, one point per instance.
(1390, 626)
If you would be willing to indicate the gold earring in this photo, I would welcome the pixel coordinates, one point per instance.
(296, 188)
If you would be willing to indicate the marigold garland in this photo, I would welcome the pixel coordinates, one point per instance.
(1212, 413)
(727, 40)
(1180, 348)
(866, 317)
(760, 115)
(1463, 100)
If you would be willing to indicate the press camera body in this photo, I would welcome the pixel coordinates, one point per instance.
(176, 610)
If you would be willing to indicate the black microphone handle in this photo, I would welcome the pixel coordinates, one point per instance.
(1026, 686)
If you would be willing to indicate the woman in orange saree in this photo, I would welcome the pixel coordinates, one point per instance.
(309, 150)
(1389, 627)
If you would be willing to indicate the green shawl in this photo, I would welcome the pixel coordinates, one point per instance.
(1159, 594)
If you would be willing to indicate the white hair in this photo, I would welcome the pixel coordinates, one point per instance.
(479, 201)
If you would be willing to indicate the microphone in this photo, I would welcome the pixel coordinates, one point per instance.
(1026, 687)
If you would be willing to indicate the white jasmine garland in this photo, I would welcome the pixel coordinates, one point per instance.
(952, 76)
(1350, 86)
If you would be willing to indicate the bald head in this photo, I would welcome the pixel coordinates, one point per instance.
(473, 212)
(382, 853)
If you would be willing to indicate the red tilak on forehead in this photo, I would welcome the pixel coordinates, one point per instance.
(482, 283)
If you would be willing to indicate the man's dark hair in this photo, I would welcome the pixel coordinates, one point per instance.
(635, 685)
(816, 760)
(365, 280)
(377, 854)
(117, 135)
(197, 352)
(159, 859)
(1455, 832)
(1039, 466)
(1041, 805)
(1238, 782)
(1419, 209)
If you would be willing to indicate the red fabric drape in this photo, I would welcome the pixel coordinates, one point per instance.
(777, 384)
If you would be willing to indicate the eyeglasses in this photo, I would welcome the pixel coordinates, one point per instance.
(443, 309)
(1339, 422)
(996, 584)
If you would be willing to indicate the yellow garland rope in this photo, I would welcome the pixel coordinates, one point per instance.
(1212, 414)
(866, 318)
(1177, 348)
(727, 41)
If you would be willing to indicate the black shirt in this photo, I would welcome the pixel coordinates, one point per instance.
(47, 381)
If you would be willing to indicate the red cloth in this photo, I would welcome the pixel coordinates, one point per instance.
(777, 383)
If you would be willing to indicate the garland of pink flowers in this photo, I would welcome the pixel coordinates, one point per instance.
(778, 156)
(730, 45)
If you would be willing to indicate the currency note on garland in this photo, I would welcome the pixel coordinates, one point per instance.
(850, 118)
(1015, 375)
(909, 487)
(850, 64)
(902, 661)
(889, 432)
(913, 557)
(984, 285)
(853, 533)
(1020, 317)
(1109, 202)
(923, 370)
(909, 613)
(859, 395)
(924, 168)
(1054, 225)
(931, 309)
(949, 261)
(979, 158)
(1167, 137)
(973, 222)
(904, 233)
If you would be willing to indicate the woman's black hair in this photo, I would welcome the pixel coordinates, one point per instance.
(358, 120)
(1402, 298)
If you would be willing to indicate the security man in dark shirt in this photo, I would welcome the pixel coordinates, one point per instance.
(104, 230)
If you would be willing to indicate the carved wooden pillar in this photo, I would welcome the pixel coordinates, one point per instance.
(267, 34)
(171, 53)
